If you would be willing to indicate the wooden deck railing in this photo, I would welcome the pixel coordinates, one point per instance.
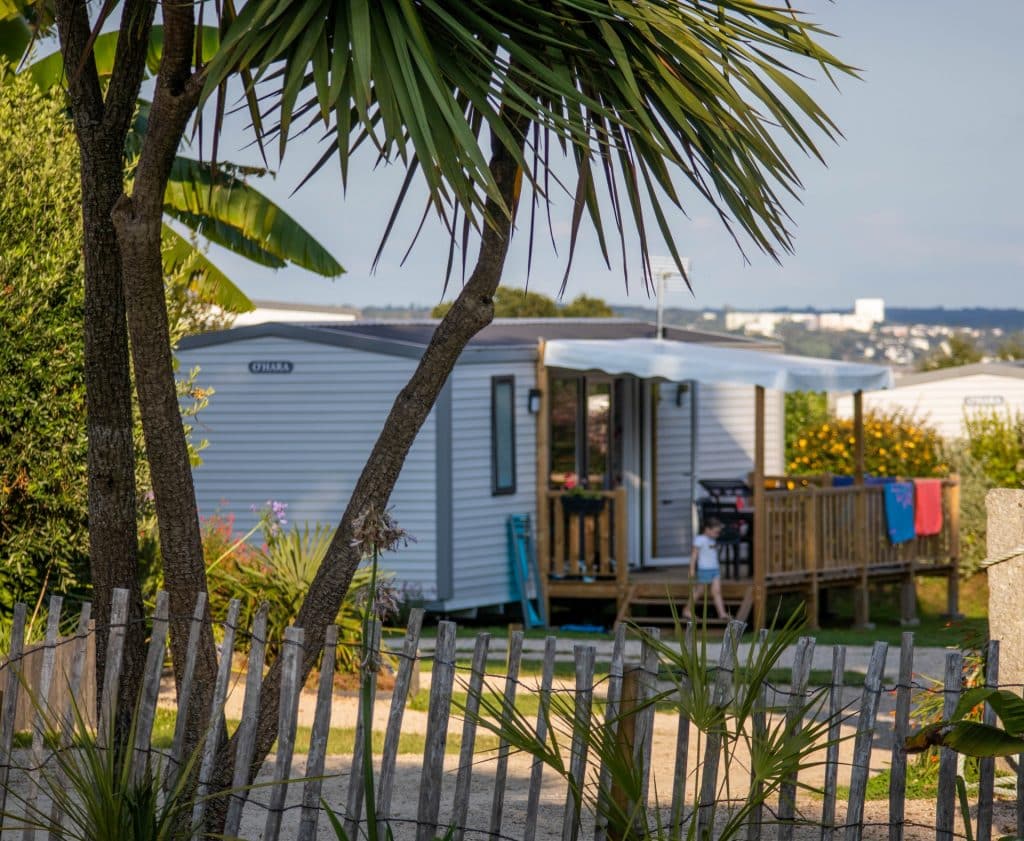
(584, 546)
(832, 532)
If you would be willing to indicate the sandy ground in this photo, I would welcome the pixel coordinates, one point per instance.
(920, 816)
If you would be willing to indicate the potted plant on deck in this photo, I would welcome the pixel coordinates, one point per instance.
(577, 499)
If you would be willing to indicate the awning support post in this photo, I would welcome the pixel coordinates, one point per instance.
(760, 512)
(861, 610)
(540, 528)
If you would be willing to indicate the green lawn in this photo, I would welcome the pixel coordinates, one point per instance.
(340, 741)
(935, 629)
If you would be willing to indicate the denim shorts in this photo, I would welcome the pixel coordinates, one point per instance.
(706, 576)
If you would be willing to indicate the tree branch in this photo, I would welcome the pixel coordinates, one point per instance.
(80, 68)
(138, 220)
(129, 65)
(472, 310)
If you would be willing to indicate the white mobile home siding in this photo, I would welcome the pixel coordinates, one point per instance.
(303, 437)
(943, 403)
(481, 573)
(725, 431)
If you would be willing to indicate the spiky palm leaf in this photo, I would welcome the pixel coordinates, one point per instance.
(632, 93)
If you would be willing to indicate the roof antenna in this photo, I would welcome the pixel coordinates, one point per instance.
(668, 279)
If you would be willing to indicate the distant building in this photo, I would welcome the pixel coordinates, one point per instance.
(867, 312)
(947, 398)
(267, 311)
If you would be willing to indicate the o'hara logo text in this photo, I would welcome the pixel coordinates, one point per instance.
(984, 400)
(271, 366)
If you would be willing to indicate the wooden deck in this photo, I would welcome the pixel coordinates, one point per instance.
(811, 538)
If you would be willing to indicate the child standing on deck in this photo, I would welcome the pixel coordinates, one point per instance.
(704, 568)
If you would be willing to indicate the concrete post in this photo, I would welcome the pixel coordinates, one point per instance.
(1006, 581)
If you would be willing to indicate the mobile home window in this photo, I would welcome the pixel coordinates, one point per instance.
(503, 435)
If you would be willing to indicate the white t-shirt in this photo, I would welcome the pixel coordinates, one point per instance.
(707, 552)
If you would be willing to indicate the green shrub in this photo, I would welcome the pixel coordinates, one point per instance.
(804, 410)
(895, 444)
(996, 442)
(42, 394)
(974, 485)
(43, 471)
(992, 456)
(280, 572)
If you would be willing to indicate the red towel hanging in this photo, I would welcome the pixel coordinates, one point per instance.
(928, 507)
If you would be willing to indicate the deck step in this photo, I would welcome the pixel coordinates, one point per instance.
(739, 604)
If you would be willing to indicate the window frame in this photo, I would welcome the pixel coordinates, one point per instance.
(498, 381)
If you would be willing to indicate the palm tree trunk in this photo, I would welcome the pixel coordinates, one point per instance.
(113, 546)
(138, 221)
(100, 128)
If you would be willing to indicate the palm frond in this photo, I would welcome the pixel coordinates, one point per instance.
(654, 95)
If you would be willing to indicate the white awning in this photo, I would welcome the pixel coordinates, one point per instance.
(680, 361)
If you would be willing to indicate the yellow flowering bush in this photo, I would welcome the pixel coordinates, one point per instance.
(894, 445)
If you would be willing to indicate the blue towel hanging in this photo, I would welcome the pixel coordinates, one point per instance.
(899, 511)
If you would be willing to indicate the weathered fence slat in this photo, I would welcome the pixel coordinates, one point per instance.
(74, 681)
(246, 737)
(862, 744)
(364, 729)
(987, 766)
(150, 691)
(945, 803)
(801, 675)
(407, 664)
(291, 657)
(898, 765)
(537, 769)
(112, 670)
(508, 704)
(10, 700)
(644, 745)
(1020, 794)
(441, 679)
(677, 814)
(185, 692)
(474, 690)
(712, 751)
(42, 701)
(315, 759)
(759, 733)
(613, 705)
(584, 656)
(215, 722)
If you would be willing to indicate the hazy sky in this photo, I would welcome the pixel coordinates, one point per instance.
(919, 204)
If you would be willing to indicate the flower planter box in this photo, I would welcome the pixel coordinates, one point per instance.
(582, 505)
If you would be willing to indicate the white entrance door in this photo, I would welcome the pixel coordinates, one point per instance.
(672, 473)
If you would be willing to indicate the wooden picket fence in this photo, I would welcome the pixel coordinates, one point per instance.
(627, 687)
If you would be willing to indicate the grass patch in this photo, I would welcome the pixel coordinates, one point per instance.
(935, 628)
(468, 631)
(527, 703)
(918, 787)
(564, 668)
(341, 740)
